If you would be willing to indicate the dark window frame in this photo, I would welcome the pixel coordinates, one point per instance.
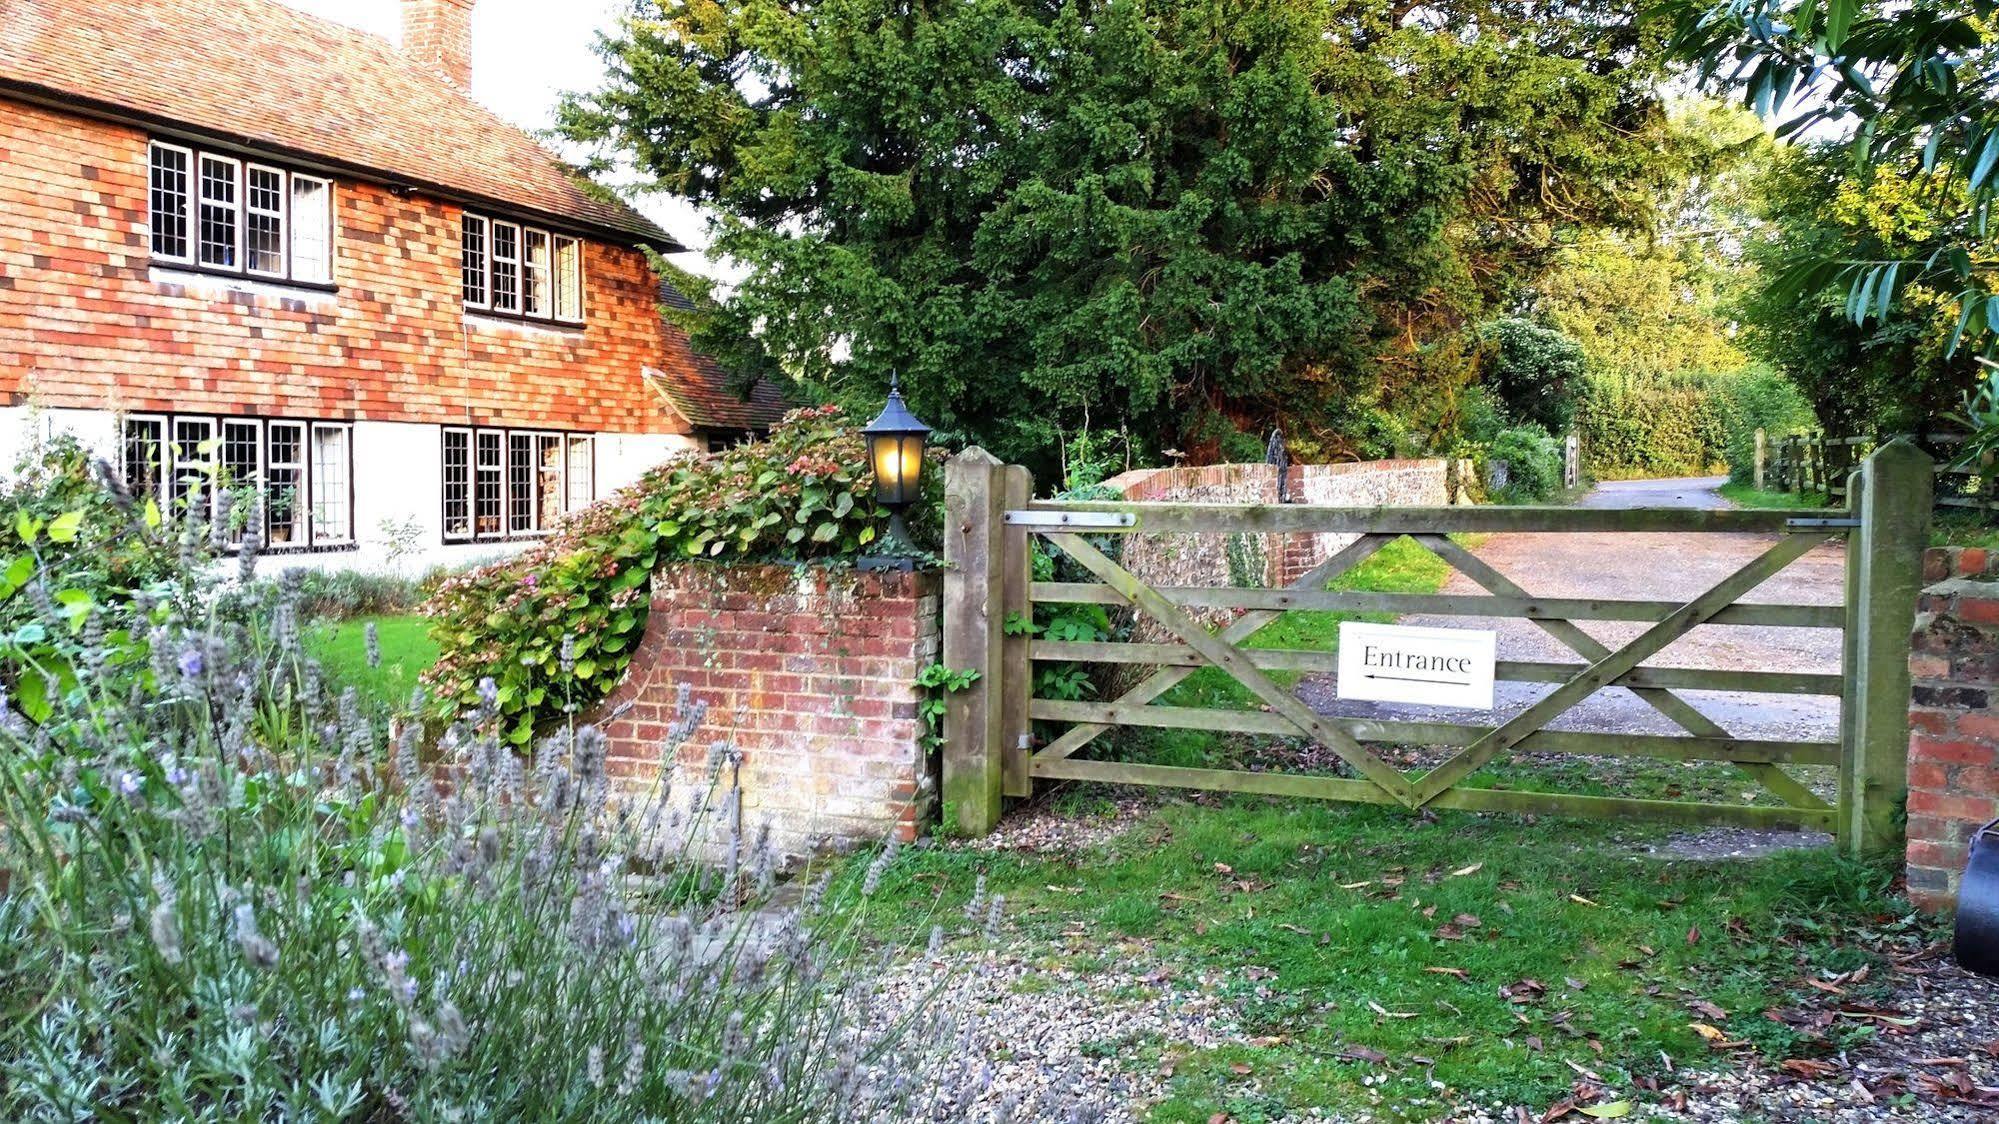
(189, 219)
(507, 530)
(554, 315)
(162, 493)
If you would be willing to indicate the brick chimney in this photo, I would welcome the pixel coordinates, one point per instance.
(437, 34)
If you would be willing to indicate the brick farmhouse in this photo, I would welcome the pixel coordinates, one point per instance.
(239, 243)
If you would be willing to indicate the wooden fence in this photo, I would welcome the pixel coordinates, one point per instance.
(1813, 462)
(990, 597)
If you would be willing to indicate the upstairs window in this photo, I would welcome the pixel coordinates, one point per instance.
(511, 269)
(221, 214)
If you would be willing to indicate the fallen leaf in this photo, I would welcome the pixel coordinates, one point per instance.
(1610, 1111)
(1458, 972)
(1829, 989)
(1224, 868)
(1694, 935)
(1468, 920)
(1242, 1068)
(1580, 900)
(1704, 1007)
(1809, 1068)
(1221, 1118)
(1462, 871)
(1711, 1033)
(1585, 1072)
(1364, 1054)
(1388, 1014)
(1574, 983)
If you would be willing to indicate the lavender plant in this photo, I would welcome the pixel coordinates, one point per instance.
(232, 893)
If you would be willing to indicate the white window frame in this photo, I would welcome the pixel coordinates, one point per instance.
(189, 189)
(301, 518)
(344, 537)
(175, 488)
(163, 468)
(295, 228)
(564, 304)
(282, 214)
(257, 454)
(588, 442)
(485, 267)
(202, 202)
(545, 272)
(499, 469)
(574, 313)
(508, 500)
(493, 263)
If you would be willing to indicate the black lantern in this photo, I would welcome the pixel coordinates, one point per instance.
(896, 441)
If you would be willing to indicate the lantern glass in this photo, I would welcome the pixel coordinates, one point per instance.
(898, 462)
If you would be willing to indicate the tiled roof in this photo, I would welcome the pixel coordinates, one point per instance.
(264, 75)
(703, 397)
(700, 391)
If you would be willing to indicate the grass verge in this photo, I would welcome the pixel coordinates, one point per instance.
(1743, 495)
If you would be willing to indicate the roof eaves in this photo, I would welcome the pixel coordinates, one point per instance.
(643, 232)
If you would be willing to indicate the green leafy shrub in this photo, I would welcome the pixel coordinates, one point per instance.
(1536, 371)
(1533, 463)
(1652, 425)
(1760, 398)
(229, 898)
(804, 494)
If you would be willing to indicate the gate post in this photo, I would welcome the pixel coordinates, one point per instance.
(973, 592)
(1884, 569)
(1016, 679)
(1762, 451)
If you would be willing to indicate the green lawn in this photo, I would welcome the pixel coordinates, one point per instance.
(1491, 954)
(407, 651)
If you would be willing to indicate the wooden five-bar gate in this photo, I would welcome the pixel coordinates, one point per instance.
(989, 750)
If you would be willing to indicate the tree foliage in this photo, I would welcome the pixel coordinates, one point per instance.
(1174, 219)
(1896, 371)
(1914, 83)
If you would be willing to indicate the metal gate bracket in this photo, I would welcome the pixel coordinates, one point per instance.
(1819, 524)
(1071, 520)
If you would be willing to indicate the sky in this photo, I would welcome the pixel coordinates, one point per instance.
(525, 53)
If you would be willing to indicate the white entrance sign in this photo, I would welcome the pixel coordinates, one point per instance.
(1409, 664)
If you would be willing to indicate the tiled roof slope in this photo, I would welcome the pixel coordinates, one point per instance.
(261, 73)
(700, 391)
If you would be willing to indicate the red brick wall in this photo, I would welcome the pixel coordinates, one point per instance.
(1953, 718)
(810, 672)
(83, 325)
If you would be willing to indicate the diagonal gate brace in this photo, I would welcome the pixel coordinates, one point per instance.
(1683, 713)
(1616, 664)
(1227, 657)
(1244, 627)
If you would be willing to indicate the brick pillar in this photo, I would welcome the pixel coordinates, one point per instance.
(1953, 718)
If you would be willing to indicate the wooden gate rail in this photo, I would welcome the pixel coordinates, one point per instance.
(1153, 518)
(1519, 671)
(1442, 604)
(988, 594)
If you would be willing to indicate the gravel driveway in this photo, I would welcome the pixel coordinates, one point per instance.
(1646, 567)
